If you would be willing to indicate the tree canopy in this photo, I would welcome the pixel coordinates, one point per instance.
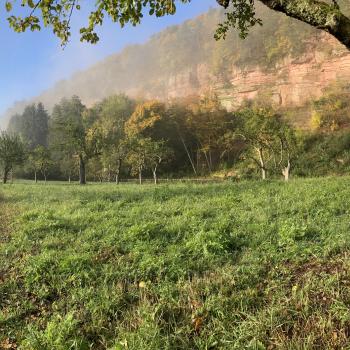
(241, 14)
(11, 153)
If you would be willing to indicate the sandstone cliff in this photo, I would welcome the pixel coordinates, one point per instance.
(295, 81)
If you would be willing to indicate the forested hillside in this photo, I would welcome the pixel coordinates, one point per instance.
(185, 60)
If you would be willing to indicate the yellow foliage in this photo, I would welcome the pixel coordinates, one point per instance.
(145, 117)
(316, 120)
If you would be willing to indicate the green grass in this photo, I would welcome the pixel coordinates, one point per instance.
(251, 265)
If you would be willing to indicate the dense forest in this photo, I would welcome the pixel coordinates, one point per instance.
(120, 138)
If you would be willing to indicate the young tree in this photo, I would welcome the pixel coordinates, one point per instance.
(137, 157)
(268, 140)
(258, 129)
(67, 165)
(40, 161)
(11, 153)
(156, 153)
(146, 153)
(286, 148)
(33, 163)
(44, 160)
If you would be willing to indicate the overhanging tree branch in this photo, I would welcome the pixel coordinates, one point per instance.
(327, 17)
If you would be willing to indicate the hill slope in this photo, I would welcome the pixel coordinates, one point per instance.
(286, 58)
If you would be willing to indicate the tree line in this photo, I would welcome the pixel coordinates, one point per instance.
(121, 137)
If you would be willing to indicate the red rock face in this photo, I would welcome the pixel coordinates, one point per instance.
(292, 82)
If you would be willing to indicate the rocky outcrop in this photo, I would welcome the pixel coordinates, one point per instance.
(293, 82)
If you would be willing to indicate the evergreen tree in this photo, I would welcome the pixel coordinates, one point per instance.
(32, 125)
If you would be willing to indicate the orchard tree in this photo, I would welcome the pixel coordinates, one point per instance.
(72, 132)
(111, 115)
(43, 161)
(268, 140)
(34, 162)
(325, 15)
(146, 153)
(67, 164)
(286, 148)
(258, 129)
(156, 153)
(11, 153)
(137, 156)
(40, 161)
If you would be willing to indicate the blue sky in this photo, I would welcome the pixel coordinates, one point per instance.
(32, 62)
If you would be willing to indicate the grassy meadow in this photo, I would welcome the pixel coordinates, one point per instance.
(250, 265)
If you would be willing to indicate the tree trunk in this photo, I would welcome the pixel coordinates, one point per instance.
(5, 175)
(198, 156)
(82, 172)
(117, 176)
(319, 14)
(35, 177)
(45, 178)
(210, 160)
(140, 176)
(286, 172)
(155, 176)
(69, 180)
(262, 163)
(188, 155)
(207, 160)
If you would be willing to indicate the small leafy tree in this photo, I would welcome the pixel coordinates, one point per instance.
(33, 164)
(11, 153)
(40, 160)
(269, 140)
(156, 153)
(68, 164)
(258, 129)
(137, 157)
(146, 153)
(287, 148)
